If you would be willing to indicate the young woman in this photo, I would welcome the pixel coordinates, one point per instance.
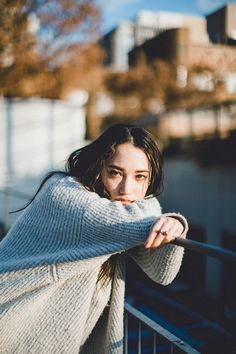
(62, 265)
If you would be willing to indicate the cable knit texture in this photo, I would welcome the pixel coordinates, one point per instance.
(50, 298)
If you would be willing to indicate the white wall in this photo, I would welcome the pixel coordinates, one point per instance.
(36, 136)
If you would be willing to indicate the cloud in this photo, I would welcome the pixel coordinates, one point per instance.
(209, 5)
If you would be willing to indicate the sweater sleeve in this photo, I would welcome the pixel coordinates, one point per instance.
(109, 227)
(66, 222)
(164, 264)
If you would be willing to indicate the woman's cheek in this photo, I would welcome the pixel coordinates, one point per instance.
(111, 186)
(143, 190)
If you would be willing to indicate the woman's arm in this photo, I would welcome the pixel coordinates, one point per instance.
(163, 264)
(110, 227)
(66, 222)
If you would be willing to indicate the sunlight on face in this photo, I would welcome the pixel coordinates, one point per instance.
(126, 175)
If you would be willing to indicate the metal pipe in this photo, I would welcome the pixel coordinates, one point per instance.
(139, 337)
(126, 333)
(154, 347)
(209, 250)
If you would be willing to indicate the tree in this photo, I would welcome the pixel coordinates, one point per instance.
(37, 37)
(140, 90)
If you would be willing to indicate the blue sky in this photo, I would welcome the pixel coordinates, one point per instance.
(115, 10)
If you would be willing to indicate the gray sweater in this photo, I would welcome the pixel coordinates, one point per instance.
(50, 298)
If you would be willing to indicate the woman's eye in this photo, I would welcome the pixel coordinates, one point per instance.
(141, 177)
(114, 173)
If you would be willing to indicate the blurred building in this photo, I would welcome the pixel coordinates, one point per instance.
(178, 47)
(179, 39)
(148, 24)
(221, 25)
(117, 43)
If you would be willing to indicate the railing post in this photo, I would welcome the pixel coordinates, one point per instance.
(139, 337)
(154, 347)
(126, 333)
(158, 330)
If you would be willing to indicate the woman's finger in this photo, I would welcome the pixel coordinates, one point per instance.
(157, 241)
(154, 231)
(165, 230)
(160, 229)
(161, 240)
(165, 235)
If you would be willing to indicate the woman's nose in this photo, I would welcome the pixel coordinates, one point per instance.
(125, 186)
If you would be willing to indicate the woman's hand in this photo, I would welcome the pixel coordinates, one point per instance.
(165, 230)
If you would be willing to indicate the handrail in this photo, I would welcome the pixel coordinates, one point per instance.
(207, 249)
(157, 330)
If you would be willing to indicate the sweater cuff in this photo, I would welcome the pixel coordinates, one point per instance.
(181, 219)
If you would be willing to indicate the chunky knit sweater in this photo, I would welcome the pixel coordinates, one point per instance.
(50, 298)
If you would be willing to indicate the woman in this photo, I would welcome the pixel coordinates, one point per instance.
(63, 262)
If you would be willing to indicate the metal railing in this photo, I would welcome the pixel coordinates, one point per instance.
(220, 253)
(172, 343)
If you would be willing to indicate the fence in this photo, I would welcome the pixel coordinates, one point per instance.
(164, 341)
(170, 343)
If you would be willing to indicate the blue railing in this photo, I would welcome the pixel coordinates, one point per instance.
(220, 253)
(162, 339)
(171, 342)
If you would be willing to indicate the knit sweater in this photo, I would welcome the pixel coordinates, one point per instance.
(50, 298)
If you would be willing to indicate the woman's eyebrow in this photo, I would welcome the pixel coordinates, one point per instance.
(116, 167)
(122, 169)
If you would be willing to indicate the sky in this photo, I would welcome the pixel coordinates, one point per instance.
(115, 10)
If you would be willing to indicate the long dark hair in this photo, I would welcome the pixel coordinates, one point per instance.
(86, 164)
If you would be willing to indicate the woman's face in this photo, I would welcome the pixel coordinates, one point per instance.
(126, 174)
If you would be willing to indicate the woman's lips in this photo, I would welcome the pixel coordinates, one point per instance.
(124, 201)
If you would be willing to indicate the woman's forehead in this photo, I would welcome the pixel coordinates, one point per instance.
(127, 155)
